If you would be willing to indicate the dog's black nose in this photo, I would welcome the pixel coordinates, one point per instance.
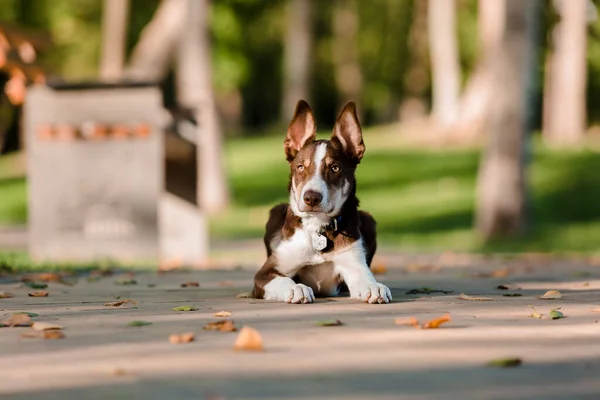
(312, 198)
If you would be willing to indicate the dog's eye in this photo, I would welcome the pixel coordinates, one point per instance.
(300, 168)
(335, 168)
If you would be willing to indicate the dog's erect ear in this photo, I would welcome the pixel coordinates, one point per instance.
(302, 130)
(348, 132)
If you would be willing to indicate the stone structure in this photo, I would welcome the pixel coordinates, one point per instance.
(96, 174)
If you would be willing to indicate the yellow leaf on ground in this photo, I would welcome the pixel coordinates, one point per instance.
(6, 295)
(248, 340)
(45, 326)
(535, 314)
(435, 323)
(474, 298)
(551, 295)
(181, 338)
(223, 314)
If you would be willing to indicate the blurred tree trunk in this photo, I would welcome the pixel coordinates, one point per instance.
(501, 189)
(115, 14)
(477, 97)
(347, 72)
(195, 91)
(416, 79)
(564, 119)
(154, 51)
(445, 70)
(297, 55)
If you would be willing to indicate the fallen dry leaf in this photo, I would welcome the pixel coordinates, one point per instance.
(426, 290)
(190, 284)
(37, 294)
(30, 314)
(412, 321)
(474, 298)
(331, 322)
(379, 269)
(435, 323)
(6, 295)
(596, 310)
(223, 314)
(120, 303)
(535, 314)
(244, 295)
(221, 326)
(181, 338)
(248, 340)
(45, 326)
(17, 320)
(551, 295)
(53, 334)
(502, 287)
(505, 362)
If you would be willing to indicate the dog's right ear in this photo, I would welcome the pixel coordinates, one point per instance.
(302, 130)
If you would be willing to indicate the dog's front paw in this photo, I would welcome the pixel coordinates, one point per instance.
(300, 293)
(375, 293)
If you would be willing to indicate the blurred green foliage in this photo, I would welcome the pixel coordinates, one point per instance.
(423, 199)
(248, 38)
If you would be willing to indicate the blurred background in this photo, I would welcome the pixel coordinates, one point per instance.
(480, 117)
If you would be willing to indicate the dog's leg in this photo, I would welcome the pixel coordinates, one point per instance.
(351, 264)
(270, 284)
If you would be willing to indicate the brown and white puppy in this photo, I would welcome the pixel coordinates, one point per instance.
(320, 241)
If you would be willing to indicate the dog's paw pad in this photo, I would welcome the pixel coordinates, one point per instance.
(301, 294)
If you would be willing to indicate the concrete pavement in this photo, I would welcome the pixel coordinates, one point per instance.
(369, 357)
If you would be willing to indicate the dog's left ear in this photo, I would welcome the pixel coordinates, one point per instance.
(302, 130)
(348, 133)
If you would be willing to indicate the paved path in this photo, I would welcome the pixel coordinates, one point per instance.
(369, 357)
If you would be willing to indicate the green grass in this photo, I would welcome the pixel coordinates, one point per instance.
(13, 195)
(422, 199)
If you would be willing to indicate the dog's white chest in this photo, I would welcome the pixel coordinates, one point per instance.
(299, 250)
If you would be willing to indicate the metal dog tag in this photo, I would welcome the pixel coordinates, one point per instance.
(319, 242)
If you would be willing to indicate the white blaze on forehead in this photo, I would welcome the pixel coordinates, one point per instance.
(316, 181)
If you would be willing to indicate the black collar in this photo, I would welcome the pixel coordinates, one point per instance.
(334, 223)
